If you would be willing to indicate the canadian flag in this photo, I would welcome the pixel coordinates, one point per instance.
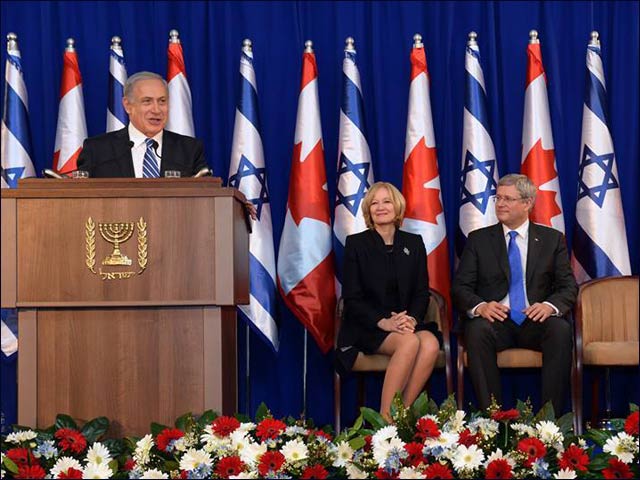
(421, 180)
(72, 126)
(180, 114)
(538, 155)
(306, 266)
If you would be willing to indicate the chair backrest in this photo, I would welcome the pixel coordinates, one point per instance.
(608, 309)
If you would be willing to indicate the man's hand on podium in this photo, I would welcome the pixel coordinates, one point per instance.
(251, 210)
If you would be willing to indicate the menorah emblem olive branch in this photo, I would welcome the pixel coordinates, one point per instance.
(116, 234)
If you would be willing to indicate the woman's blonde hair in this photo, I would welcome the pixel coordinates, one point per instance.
(399, 203)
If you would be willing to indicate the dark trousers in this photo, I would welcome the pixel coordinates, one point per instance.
(553, 338)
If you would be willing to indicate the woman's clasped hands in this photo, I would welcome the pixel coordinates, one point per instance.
(398, 322)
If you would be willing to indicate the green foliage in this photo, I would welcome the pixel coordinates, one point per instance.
(599, 437)
(262, 412)
(185, 422)
(420, 406)
(65, 421)
(633, 407)
(156, 428)
(448, 408)
(10, 465)
(545, 413)
(117, 446)
(525, 409)
(565, 423)
(206, 418)
(373, 418)
(94, 429)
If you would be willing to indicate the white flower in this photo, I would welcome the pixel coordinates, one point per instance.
(22, 436)
(294, 430)
(441, 446)
(183, 443)
(344, 454)
(251, 453)
(383, 442)
(486, 426)
(97, 470)
(582, 443)
(294, 450)
(498, 455)
(455, 423)
(549, 433)
(63, 465)
(98, 454)
(246, 426)
(467, 458)
(253, 474)
(385, 433)
(622, 446)
(213, 442)
(143, 447)
(193, 458)
(523, 429)
(239, 440)
(154, 473)
(355, 472)
(410, 472)
(565, 473)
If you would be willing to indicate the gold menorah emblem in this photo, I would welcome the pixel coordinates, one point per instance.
(116, 234)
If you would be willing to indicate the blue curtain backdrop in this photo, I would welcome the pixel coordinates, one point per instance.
(212, 35)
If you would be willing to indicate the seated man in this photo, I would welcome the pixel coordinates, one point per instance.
(515, 284)
(144, 148)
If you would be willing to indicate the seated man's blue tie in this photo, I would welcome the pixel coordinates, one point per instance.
(150, 167)
(516, 286)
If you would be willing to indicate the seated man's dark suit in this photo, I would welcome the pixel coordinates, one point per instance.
(483, 276)
(109, 155)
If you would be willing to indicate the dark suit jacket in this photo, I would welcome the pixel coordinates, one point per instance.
(109, 155)
(483, 273)
(365, 280)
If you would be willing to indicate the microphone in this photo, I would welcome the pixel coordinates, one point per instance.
(47, 172)
(203, 172)
(154, 145)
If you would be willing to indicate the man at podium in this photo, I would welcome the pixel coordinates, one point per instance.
(143, 149)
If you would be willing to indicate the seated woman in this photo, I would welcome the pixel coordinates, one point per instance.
(386, 294)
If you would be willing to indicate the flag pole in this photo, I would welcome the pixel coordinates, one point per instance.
(304, 375)
(247, 375)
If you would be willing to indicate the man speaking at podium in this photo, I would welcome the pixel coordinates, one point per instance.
(143, 149)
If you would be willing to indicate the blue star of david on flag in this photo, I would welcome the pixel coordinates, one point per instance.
(487, 167)
(246, 169)
(361, 172)
(11, 175)
(598, 192)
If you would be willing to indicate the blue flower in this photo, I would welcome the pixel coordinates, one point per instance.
(46, 449)
(541, 468)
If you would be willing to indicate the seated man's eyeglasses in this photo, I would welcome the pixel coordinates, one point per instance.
(507, 200)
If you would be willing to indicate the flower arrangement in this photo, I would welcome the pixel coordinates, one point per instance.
(425, 441)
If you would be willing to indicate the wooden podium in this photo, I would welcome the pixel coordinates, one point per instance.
(126, 293)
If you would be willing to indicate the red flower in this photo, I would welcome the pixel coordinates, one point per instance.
(426, 428)
(438, 470)
(269, 428)
(467, 439)
(632, 423)
(129, 464)
(223, 426)
(617, 469)
(270, 462)
(70, 439)
(71, 473)
(315, 471)
(22, 456)
(382, 473)
(414, 449)
(322, 434)
(574, 458)
(33, 471)
(499, 468)
(367, 443)
(534, 449)
(167, 438)
(505, 415)
(229, 466)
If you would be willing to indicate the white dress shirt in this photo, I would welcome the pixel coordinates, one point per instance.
(140, 147)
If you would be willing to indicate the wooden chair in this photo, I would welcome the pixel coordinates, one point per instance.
(511, 358)
(437, 312)
(606, 330)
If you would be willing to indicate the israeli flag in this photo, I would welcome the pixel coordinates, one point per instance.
(355, 172)
(600, 246)
(479, 176)
(247, 173)
(16, 134)
(117, 118)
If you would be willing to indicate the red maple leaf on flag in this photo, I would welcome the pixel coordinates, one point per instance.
(422, 203)
(539, 167)
(307, 196)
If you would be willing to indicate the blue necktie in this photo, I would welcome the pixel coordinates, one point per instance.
(150, 168)
(516, 286)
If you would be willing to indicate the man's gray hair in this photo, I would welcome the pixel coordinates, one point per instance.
(136, 77)
(526, 188)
